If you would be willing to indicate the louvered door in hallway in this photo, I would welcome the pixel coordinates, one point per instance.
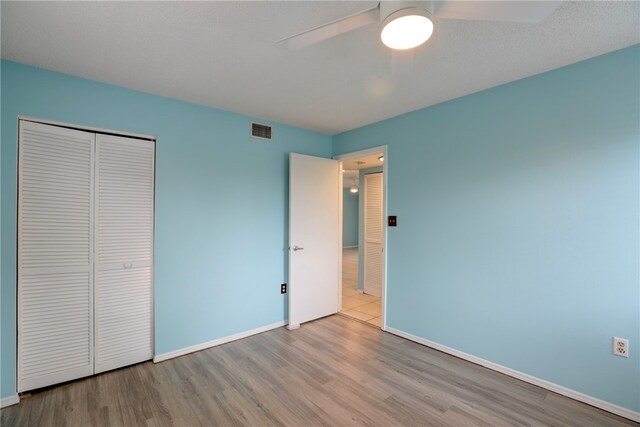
(373, 229)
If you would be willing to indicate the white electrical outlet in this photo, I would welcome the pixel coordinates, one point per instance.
(620, 347)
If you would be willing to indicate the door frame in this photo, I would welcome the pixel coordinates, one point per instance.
(383, 291)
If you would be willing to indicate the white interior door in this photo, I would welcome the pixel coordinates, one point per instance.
(124, 251)
(314, 241)
(373, 229)
(55, 255)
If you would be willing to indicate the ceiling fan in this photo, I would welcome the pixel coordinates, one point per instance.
(407, 24)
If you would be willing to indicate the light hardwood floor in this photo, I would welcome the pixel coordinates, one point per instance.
(334, 371)
(359, 306)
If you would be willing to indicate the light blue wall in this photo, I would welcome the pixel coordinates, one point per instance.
(518, 208)
(349, 218)
(518, 223)
(362, 185)
(221, 205)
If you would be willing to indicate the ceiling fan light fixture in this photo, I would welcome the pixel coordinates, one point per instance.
(406, 28)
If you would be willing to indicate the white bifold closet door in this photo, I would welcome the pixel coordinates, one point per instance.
(85, 253)
(373, 229)
(124, 251)
(55, 255)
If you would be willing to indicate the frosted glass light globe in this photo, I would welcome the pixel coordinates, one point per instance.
(402, 31)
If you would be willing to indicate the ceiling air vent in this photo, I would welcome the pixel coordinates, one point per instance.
(261, 131)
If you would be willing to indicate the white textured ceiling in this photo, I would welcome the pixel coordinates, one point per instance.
(364, 162)
(351, 168)
(222, 54)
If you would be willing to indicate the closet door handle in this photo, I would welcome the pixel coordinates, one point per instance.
(127, 265)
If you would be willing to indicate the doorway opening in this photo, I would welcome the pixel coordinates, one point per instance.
(363, 282)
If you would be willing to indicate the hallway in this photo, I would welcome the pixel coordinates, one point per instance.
(355, 304)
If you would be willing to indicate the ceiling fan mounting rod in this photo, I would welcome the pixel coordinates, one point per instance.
(390, 7)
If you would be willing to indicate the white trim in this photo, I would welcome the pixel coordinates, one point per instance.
(362, 153)
(86, 128)
(9, 400)
(576, 395)
(340, 233)
(186, 350)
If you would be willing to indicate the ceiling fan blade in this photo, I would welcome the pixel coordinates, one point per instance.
(332, 29)
(506, 11)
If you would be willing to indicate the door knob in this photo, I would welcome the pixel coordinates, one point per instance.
(297, 248)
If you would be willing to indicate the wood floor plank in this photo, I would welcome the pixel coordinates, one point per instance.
(334, 371)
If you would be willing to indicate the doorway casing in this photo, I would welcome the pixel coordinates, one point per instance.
(383, 293)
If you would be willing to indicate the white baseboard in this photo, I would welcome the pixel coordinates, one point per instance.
(360, 291)
(8, 401)
(181, 352)
(589, 400)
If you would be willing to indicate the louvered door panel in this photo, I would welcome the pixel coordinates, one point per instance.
(124, 317)
(373, 229)
(124, 251)
(55, 255)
